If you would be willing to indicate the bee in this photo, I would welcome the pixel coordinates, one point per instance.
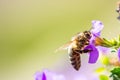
(76, 47)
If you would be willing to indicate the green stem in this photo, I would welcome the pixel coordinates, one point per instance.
(114, 43)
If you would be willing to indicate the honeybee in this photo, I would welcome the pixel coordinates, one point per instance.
(76, 47)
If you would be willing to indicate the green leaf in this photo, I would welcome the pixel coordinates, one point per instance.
(115, 77)
(115, 73)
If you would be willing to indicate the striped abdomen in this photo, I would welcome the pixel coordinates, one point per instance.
(75, 59)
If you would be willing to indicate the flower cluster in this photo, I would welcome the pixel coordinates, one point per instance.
(97, 45)
(97, 27)
(48, 75)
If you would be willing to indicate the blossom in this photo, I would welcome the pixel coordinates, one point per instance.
(40, 76)
(97, 27)
(48, 75)
(119, 53)
(102, 45)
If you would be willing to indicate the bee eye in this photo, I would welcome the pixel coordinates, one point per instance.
(88, 35)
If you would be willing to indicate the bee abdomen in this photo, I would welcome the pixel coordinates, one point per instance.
(75, 60)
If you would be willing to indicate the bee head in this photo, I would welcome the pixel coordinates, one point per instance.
(87, 34)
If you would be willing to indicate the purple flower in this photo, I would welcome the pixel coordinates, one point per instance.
(97, 27)
(40, 76)
(82, 77)
(47, 75)
(119, 53)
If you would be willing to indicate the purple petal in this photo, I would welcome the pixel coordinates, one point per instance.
(92, 39)
(103, 50)
(48, 75)
(44, 76)
(119, 53)
(94, 54)
(97, 27)
(38, 76)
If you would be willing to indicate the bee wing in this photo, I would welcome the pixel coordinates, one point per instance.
(75, 36)
(64, 47)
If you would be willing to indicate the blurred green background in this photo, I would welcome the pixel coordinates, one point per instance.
(31, 30)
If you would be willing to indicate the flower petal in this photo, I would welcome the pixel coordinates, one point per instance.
(48, 75)
(94, 54)
(119, 53)
(103, 50)
(38, 76)
(97, 27)
(44, 76)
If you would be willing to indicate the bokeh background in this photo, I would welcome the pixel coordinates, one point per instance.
(31, 30)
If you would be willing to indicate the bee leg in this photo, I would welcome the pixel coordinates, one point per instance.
(79, 51)
(82, 51)
(86, 51)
